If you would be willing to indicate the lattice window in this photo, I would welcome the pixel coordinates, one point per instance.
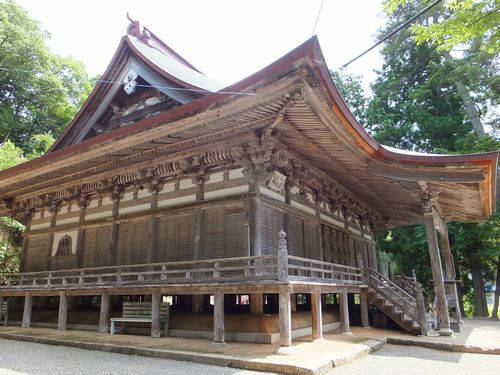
(64, 246)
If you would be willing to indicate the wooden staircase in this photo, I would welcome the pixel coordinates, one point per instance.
(393, 301)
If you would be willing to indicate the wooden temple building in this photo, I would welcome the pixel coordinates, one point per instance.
(251, 208)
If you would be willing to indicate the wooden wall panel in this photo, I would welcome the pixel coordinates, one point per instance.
(176, 237)
(124, 244)
(311, 240)
(352, 252)
(95, 246)
(273, 221)
(327, 244)
(235, 232)
(132, 245)
(224, 233)
(213, 239)
(65, 262)
(37, 253)
(297, 237)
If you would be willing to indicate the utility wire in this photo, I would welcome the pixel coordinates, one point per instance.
(317, 17)
(243, 93)
(393, 32)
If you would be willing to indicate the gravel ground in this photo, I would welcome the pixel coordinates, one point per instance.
(408, 360)
(18, 357)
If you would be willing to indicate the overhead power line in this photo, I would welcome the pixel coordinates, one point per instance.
(317, 17)
(393, 32)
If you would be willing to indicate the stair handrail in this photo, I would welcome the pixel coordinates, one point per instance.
(408, 296)
(392, 292)
(409, 284)
(405, 282)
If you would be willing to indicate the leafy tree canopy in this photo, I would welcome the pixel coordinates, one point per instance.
(39, 91)
(351, 89)
(460, 22)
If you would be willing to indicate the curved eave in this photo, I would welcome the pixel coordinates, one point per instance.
(309, 52)
(487, 161)
(195, 106)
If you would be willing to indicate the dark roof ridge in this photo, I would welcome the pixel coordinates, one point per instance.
(145, 35)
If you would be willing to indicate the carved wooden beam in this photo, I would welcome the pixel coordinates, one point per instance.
(465, 175)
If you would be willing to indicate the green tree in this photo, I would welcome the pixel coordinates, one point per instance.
(415, 105)
(420, 103)
(352, 92)
(459, 22)
(470, 25)
(39, 91)
(10, 229)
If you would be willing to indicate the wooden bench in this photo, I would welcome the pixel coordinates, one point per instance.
(4, 312)
(140, 312)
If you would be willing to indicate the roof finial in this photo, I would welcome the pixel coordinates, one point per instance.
(135, 29)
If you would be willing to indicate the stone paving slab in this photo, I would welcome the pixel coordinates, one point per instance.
(476, 336)
(305, 357)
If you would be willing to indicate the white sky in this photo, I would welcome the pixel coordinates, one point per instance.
(226, 39)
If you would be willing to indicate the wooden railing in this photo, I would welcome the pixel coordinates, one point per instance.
(409, 284)
(280, 267)
(200, 271)
(303, 268)
(406, 283)
(393, 293)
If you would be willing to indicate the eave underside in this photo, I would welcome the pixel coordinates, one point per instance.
(305, 126)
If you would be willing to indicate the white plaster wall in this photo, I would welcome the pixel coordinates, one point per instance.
(57, 236)
(226, 192)
(215, 177)
(271, 193)
(236, 173)
(177, 201)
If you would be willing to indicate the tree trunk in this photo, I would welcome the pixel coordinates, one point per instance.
(494, 313)
(470, 109)
(480, 308)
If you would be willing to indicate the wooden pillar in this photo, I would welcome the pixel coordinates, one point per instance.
(116, 195)
(28, 304)
(254, 220)
(199, 299)
(104, 313)
(199, 231)
(437, 274)
(449, 267)
(155, 314)
(363, 305)
(53, 211)
(218, 316)
(1, 306)
(63, 311)
(82, 204)
(317, 315)
(257, 303)
(318, 253)
(24, 250)
(285, 317)
(113, 241)
(344, 313)
(152, 256)
(373, 258)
